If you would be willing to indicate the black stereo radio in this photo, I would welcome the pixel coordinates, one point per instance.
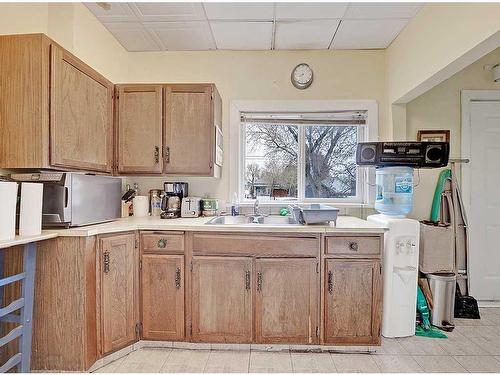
(403, 154)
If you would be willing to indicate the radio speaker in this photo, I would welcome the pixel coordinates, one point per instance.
(368, 153)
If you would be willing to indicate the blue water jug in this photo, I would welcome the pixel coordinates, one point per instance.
(394, 191)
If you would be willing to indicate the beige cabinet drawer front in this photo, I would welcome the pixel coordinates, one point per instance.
(159, 242)
(254, 245)
(353, 246)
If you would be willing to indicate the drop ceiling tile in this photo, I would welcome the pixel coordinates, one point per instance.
(239, 11)
(117, 12)
(365, 34)
(381, 10)
(151, 12)
(305, 34)
(304, 11)
(242, 35)
(132, 36)
(182, 36)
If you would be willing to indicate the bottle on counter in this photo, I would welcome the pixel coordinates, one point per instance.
(155, 202)
(235, 206)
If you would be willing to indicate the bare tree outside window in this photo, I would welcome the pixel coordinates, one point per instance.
(272, 157)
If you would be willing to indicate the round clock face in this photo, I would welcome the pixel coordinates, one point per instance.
(302, 76)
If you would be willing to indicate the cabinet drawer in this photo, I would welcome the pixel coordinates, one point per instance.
(159, 243)
(353, 246)
(254, 245)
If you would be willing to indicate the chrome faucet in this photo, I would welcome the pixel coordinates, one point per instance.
(256, 208)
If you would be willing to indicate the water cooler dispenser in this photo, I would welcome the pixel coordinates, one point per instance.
(395, 200)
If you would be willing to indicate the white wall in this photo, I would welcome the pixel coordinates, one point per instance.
(439, 108)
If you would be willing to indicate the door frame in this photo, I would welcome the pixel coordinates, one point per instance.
(467, 97)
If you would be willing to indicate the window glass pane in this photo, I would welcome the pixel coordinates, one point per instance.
(330, 164)
(271, 161)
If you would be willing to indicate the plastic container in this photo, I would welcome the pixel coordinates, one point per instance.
(394, 191)
(315, 214)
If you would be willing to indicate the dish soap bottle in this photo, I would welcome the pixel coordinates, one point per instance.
(235, 207)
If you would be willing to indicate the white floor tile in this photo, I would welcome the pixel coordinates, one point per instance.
(181, 360)
(355, 363)
(389, 346)
(439, 363)
(395, 363)
(312, 362)
(417, 345)
(479, 363)
(228, 361)
(270, 362)
(457, 344)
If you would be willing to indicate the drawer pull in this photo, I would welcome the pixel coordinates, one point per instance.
(106, 261)
(259, 281)
(247, 280)
(353, 246)
(330, 282)
(157, 154)
(162, 243)
(178, 278)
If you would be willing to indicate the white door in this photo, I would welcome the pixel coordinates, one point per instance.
(484, 209)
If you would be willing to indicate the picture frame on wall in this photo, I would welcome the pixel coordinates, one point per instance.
(433, 136)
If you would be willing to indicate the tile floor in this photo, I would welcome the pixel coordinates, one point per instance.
(474, 346)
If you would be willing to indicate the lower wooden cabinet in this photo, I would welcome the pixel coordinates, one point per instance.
(162, 285)
(221, 299)
(353, 301)
(286, 303)
(119, 262)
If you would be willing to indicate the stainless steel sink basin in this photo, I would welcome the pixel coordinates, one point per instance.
(254, 220)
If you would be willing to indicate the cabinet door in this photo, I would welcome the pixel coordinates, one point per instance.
(189, 130)
(139, 129)
(221, 304)
(286, 300)
(163, 297)
(81, 115)
(119, 266)
(353, 301)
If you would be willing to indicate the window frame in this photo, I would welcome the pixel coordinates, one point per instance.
(365, 194)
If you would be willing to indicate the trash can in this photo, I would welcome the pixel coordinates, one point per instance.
(442, 287)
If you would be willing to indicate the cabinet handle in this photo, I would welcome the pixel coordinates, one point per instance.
(353, 246)
(167, 154)
(259, 281)
(157, 154)
(330, 282)
(106, 261)
(178, 278)
(247, 280)
(162, 242)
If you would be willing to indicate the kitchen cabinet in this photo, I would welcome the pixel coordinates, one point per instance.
(56, 111)
(139, 129)
(162, 297)
(168, 129)
(190, 129)
(118, 308)
(221, 300)
(286, 303)
(352, 298)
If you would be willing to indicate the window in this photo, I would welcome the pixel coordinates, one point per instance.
(302, 157)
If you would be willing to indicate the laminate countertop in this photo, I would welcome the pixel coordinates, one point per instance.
(345, 224)
(23, 240)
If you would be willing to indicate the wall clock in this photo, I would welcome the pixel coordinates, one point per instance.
(302, 76)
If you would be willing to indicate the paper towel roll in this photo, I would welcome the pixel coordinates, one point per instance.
(141, 206)
(8, 196)
(30, 220)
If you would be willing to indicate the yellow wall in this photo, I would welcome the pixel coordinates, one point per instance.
(439, 108)
(263, 76)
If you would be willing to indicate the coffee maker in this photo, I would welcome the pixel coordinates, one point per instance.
(172, 199)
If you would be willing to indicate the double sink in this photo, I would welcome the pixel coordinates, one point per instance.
(253, 219)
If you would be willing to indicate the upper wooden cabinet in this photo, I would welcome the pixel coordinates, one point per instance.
(56, 111)
(168, 129)
(139, 129)
(118, 285)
